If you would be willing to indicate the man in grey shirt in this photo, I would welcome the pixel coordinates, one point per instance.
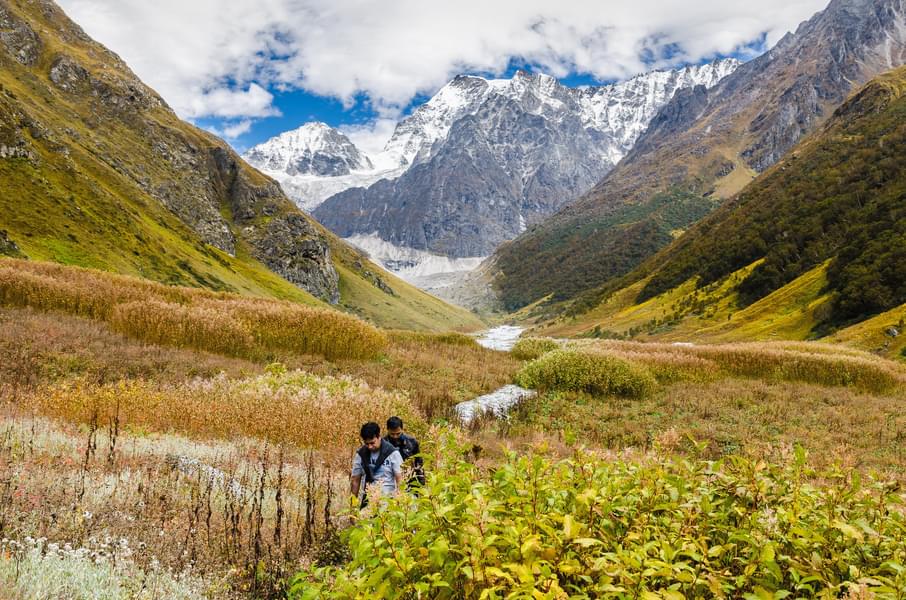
(378, 461)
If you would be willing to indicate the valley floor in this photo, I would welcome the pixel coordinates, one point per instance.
(159, 469)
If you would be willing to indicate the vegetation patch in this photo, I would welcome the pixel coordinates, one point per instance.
(597, 526)
(179, 316)
(532, 348)
(810, 362)
(287, 407)
(582, 371)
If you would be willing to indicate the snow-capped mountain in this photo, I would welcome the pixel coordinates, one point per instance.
(475, 165)
(314, 162)
(485, 159)
(620, 111)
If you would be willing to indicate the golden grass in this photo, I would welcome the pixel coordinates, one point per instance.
(812, 363)
(39, 348)
(434, 373)
(217, 322)
(284, 407)
(434, 370)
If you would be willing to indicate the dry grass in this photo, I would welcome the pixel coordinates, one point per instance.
(179, 316)
(39, 348)
(436, 371)
(251, 491)
(230, 519)
(837, 425)
(435, 374)
(292, 408)
(822, 364)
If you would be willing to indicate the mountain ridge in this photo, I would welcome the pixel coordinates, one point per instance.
(815, 244)
(97, 171)
(491, 157)
(709, 143)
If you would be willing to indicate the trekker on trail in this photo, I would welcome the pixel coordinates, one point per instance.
(408, 447)
(379, 461)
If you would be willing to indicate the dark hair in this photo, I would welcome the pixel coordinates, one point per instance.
(394, 423)
(370, 431)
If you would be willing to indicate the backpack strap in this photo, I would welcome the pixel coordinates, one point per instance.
(365, 455)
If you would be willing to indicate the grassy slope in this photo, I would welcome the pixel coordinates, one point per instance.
(77, 201)
(697, 144)
(790, 313)
(795, 221)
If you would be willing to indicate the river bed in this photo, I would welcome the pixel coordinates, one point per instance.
(500, 338)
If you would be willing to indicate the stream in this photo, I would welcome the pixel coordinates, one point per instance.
(501, 338)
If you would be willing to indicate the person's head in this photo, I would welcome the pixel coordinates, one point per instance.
(371, 435)
(394, 428)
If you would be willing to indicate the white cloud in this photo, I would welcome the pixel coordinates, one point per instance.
(370, 137)
(215, 57)
(234, 130)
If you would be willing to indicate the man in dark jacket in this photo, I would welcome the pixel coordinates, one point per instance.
(378, 461)
(409, 449)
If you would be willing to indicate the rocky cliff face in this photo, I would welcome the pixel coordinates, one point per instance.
(708, 143)
(80, 115)
(484, 159)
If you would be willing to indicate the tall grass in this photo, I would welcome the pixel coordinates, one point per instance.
(293, 408)
(819, 363)
(253, 328)
(579, 371)
(107, 513)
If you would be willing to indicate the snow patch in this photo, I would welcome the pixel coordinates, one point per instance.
(411, 264)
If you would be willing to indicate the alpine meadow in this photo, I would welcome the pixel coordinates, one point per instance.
(509, 301)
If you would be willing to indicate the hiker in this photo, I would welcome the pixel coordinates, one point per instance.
(408, 447)
(379, 461)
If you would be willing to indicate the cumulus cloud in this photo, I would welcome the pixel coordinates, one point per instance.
(219, 57)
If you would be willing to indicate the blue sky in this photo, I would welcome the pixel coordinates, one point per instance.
(298, 106)
(249, 69)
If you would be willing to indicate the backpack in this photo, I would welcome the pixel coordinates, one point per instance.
(384, 452)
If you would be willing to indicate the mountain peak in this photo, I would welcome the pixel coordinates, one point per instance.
(315, 148)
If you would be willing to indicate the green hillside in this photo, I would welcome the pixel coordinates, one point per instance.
(97, 171)
(815, 244)
(838, 196)
(705, 146)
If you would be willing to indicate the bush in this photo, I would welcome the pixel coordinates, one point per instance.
(570, 370)
(532, 348)
(651, 528)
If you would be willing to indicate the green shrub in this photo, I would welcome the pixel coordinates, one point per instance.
(578, 371)
(656, 528)
(532, 348)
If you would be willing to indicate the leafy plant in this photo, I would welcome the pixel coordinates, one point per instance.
(651, 528)
(532, 348)
(593, 373)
